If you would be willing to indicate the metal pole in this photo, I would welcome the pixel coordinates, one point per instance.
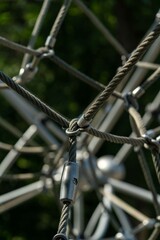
(21, 195)
(13, 154)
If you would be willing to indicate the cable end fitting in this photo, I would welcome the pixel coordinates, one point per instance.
(152, 144)
(69, 182)
(82, 122)
(138, 92)
(26, 74)
(50, 42)
(130, 100)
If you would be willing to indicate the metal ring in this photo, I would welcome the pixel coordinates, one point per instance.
(60, 236)
(73, 133)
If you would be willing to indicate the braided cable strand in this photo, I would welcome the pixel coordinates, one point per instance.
(34, 100)
(36, 29)
(67, 202)
(72, 140)
(116, 139)
(148, 179)
(156, 162)
(64, 218)
(135, 56)
(137, 126)
(81, 76)
(59, 20)
(57, 24)
(138, 120)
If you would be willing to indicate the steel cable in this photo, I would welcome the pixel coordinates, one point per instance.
(64, 218)
(57, 24)
(36, 29)
(34, 100)
(100, 26)
(138, 120)
(83, 77)
(116, 139)
(135, 56)
(139, 129)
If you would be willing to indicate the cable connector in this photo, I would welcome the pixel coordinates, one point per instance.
(138, 91)
(50, 42)
(130, 100)
(26, 74)
(82, 122)
(69, 182)
(152, 144)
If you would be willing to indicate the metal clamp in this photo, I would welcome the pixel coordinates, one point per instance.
(130, 100)
(153, 144)
(50, 42)
(26, 74)
(82, 122)
(69, 182)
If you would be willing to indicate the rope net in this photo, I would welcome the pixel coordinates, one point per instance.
(85, 133)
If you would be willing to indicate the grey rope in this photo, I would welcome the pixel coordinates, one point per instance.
(139, 91)
(83, 77)
(138, 120)
(57, 24)
(34, 100)
(116, 139)
(18, 47)
(72, 141)
(139, 129)
(135, 56)
(64, 218)
(72, 158)
(101, 28)
(36, 29)
(156, 162)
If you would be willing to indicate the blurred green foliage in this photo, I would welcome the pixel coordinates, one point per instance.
(81, 45)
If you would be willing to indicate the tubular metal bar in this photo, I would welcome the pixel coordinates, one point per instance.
(78, 208)
(118, 107)
(32, 116)
(148, 65)
(99, 211)
(122, 217)
(18, 47)
(103, 223)
(13, 154)
(132, 190)
(99, 25)
(156, 232)
(126, 207)
(99, 221)
(12, 129)
(18, 196)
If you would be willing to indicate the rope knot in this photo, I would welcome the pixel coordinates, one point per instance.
(45, 52)
(76, 127)
(152, 144)
(130, 101)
